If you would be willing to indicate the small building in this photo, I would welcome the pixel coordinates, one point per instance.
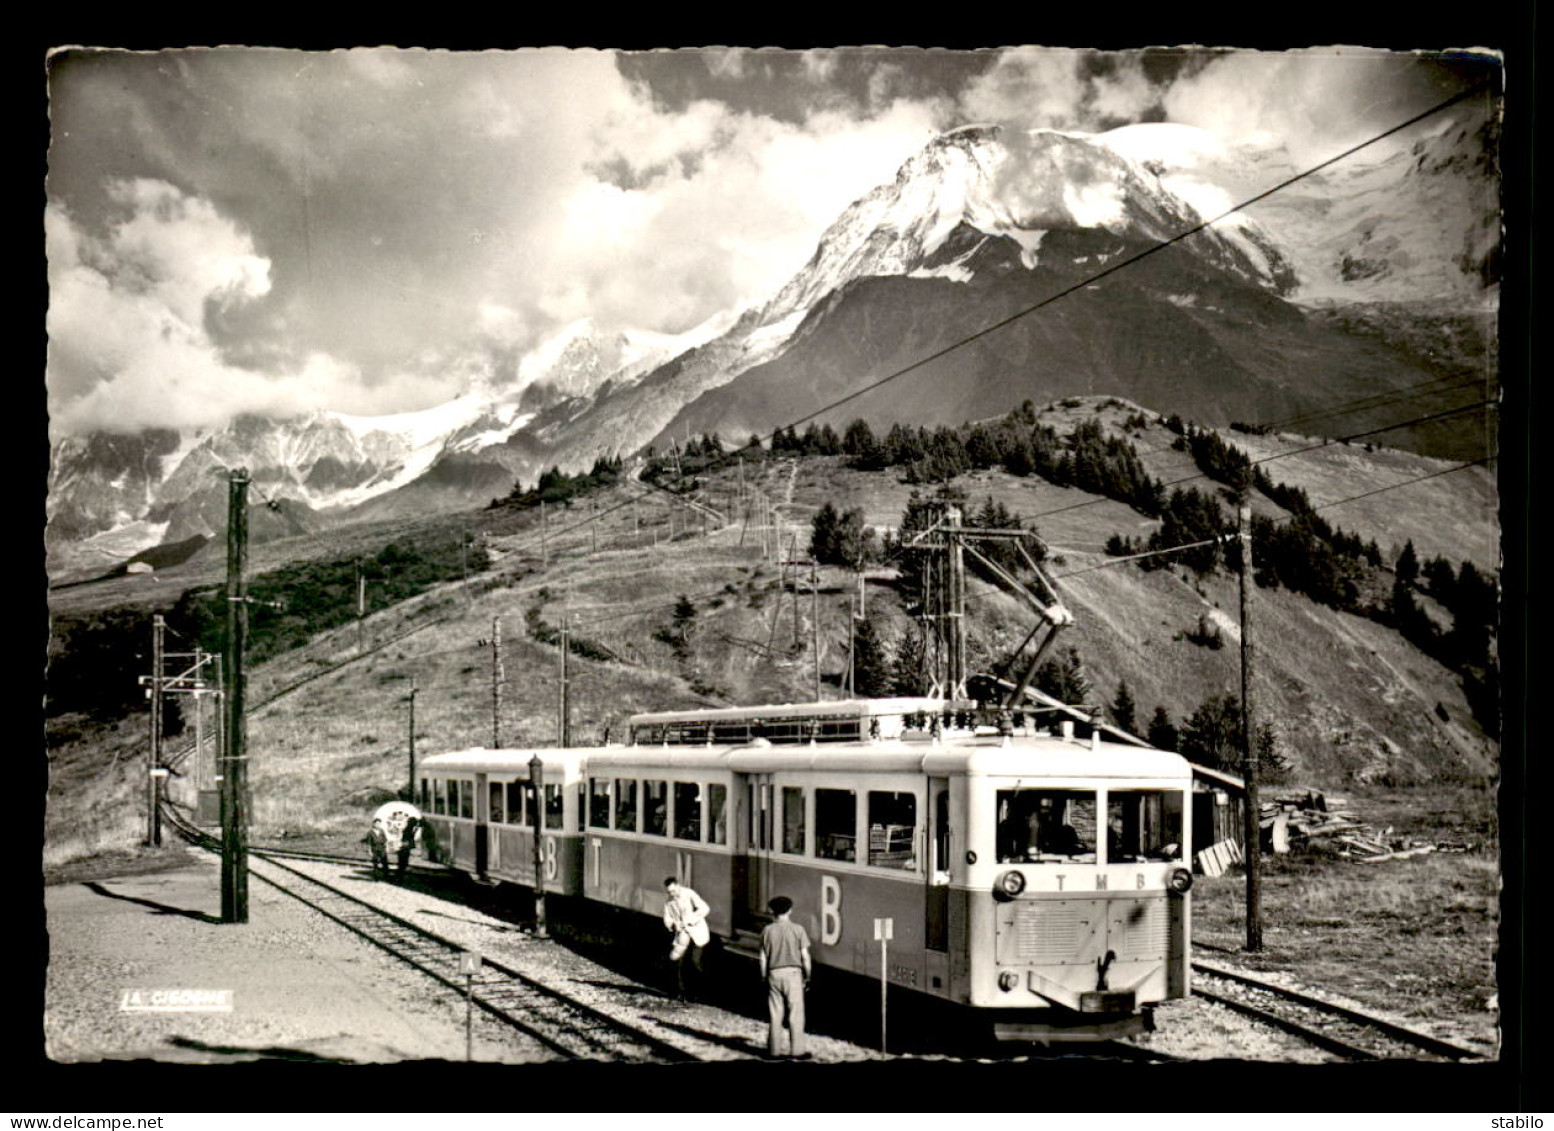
(1218, 808)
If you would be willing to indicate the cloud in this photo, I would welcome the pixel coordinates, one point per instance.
(1061, 89)
(378, 209)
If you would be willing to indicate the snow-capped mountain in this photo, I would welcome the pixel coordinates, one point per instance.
(979, 226)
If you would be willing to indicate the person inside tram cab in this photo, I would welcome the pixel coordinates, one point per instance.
(1061, 839)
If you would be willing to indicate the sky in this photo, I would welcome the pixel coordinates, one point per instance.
(378, 231)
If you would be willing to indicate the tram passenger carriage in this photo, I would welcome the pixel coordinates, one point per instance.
(1039, 881)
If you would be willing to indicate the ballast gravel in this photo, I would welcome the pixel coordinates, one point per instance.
(301, 988)
(304, 988)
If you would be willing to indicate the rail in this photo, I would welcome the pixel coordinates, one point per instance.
(568, 1027)
(1301, 1013)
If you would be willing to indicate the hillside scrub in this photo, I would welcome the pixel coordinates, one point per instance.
(98, 656)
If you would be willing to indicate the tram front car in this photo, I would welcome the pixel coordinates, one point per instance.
(1078, 912)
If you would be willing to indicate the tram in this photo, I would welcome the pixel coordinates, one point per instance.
(1038, 880)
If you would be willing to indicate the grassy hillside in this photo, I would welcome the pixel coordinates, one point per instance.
(1351, 700)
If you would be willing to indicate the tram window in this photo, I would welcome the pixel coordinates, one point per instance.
(717, 814)
(515, 792)
(793, 819)
(599, 802)
(467, 799)
(1046, 826)
(426, 795)
(439, 797)
(1143, 825)
(836, 824)
(655, 797)
(553, 807)
(892, 830)
(625, 805)
(687, 810)
(495, 816)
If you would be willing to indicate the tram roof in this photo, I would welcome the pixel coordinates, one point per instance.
(479, 759)
(848, 708)
(986, 757)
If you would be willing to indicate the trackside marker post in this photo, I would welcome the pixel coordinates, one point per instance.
(884, 931)
(469, 966)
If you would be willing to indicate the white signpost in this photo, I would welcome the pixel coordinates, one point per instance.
(884, 931)
(469, 966)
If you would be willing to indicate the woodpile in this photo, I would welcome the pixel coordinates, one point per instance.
(1311, 820)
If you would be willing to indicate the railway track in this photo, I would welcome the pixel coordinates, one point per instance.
(1339, 1029)
(568, 1027)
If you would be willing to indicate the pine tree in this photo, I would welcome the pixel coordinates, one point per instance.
(1123, 708)
(871, 672)
(1162, 731)
(1212, 734)
(1407, 568)
(906, 672)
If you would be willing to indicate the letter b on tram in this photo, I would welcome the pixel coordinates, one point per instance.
(830, 910)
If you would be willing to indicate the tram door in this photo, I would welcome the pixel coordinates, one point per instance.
(760, 803)
(482, 826)
(936, 931)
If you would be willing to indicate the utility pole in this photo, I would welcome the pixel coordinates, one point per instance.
(410, 796)
(1252, 823)
(361, 604)
(234, 776)
(814, 616)
(563, 736)
(496, 682)
(537, 786)
(154, 755)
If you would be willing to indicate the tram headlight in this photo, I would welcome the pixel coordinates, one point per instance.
(1008, 980)
(1180, 881)
(1011, 884)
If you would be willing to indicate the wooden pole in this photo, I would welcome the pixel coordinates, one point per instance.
(154, 754)
(1252, 819)
(814, 617)
(496, 683)
(410, 795)
(234, 776)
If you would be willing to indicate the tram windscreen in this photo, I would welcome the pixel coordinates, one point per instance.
(1143, 825)
(1046, 826)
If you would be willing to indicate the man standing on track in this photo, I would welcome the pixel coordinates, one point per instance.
(785, 965)
(407, 839)
(377, 843)
(685, 916)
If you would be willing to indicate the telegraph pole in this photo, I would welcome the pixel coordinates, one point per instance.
(234, 776)
(563, 735)
(814, 616)
(496, 682)
(1252, 820)
(361, 604)
(413, 691)
(154, 756)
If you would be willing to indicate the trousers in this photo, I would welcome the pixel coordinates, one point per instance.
(785, 1001)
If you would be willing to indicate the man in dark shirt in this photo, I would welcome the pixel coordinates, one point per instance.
(785, 965)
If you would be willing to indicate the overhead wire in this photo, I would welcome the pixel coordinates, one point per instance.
(1106, 272)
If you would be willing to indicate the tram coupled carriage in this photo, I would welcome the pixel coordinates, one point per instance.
(1038, 881)
(480, 809)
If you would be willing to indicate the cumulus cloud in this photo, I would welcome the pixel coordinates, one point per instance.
(395, 225)
(398, 201)
(1060, 89)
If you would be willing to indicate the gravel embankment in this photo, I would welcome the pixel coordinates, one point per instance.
(303, 987)
(706, 1031)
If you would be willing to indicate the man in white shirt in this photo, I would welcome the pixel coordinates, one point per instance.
(685, 916)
